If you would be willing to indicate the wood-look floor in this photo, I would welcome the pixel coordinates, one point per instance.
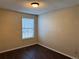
(32, 52)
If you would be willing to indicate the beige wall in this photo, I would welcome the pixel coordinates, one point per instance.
(60, 30)
(10, 30)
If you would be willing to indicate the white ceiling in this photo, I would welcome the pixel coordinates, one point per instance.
(45, 5)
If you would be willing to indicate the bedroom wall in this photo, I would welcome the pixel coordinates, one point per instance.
(59, 30)
(10, 30)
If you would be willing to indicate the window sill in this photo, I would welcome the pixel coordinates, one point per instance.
(27, 38)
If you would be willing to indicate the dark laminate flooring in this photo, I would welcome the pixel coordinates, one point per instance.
(32, 52)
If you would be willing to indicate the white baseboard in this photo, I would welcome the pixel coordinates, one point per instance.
(58, 51)
(38, 44)
(17, 48)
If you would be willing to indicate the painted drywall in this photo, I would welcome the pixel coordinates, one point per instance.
(59, 30)
(10, 30)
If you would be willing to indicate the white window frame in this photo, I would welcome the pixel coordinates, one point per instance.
(28, 28)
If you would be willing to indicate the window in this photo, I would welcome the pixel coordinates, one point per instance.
(27, 28)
